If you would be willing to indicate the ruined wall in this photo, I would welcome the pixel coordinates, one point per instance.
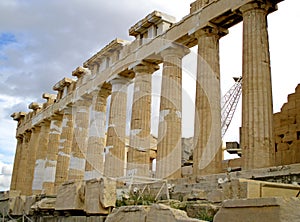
(287, 131)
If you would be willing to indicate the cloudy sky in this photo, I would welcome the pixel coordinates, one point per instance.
(43, 41)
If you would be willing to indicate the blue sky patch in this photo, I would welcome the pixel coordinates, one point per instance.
(7, 38)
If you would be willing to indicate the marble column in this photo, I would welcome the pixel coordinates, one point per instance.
(32, 150)
(14, 178)
(52, 152)
(257, 141)
(168, 163)
(64, 148)
(114, 164)
(41, 155)
(207, 154)
(94, 167)
(21, 184)
(140, 134)
(81, 111)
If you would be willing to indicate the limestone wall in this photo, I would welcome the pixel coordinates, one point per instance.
(287, 131)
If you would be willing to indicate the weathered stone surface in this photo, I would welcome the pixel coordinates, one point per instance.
(70, 196)
(4, 202)
(242, 188)
(16, 205)
(196, 194)
(129, 214)
(262, 209)
(155, 213)
(44, 204)
(100, 196)
(207, 155)
(200, 210)
(163, 213)
(72, 219)
(257, 139)
(115, 144)
(29, 201)
(286, 130)
(168, 163)
(215, 196)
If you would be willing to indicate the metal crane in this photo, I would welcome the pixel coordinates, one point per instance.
(229, 104)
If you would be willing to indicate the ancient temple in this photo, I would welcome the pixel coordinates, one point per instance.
(66, 138)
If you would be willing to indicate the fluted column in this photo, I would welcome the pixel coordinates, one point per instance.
(114, 164)
(169, 129)
(80, 139)
(94, 167)
(207, 156)
(64, 148)
(257, 109)
(32, 150)
(16, 168)
(140, 134)
(23, 163)
(41, 155)
(52, 151)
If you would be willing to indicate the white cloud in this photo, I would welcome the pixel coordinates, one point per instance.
(5, 175)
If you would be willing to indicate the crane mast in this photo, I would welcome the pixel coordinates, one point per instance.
(229, 104)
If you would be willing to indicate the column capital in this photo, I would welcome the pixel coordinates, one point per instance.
(263, 5)
(34, 106)
(174, 49)
(36, 129)
(120, 83)
(211, 30)
(81, 71)
(144, 67)
(103, 91)
(17, 116)
(60, 85)
(56, 116)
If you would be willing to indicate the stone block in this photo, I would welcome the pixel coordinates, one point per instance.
(196, 194)
(196, 210)
(95, 219)
(242, 188)
(262, 209)
(290, 137)
(282, 147)
(167, 213)
(70, 196)
(289, 105)
(100, 196)
(16, 205)
(129, 214)
(276, 120)
(4, 202)
(44, 204)
(287, 120)
(297, 89)
(186, 171)
(29, 201)
(215, 196)
(153, 213)
(287, 157)
(278, 139)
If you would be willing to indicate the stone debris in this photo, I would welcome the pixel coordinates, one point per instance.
(153, 213)
(70, 196)
(275, 209)
(100, 196)
(243, 188)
